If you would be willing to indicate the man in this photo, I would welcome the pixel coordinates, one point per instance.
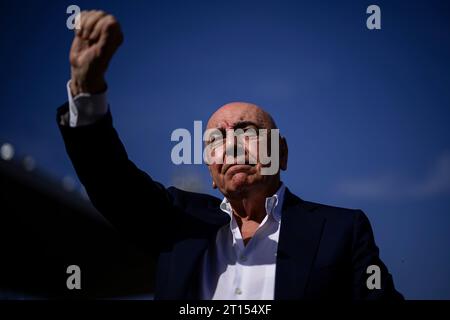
(259, 242)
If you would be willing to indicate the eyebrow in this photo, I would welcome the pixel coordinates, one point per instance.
(239, 125)
(244, 124)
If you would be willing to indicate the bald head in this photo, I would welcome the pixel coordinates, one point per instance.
(233, 113)
(246, 179)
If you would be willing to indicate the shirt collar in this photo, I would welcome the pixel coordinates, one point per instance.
(273, 205)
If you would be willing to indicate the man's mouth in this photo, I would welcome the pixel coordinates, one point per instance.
(243, 165)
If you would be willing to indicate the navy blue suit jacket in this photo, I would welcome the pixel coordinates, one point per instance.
(323, 251)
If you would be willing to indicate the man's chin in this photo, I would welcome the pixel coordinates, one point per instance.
(238, 184)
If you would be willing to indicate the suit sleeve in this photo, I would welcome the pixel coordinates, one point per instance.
(365, 253)
(135, 204)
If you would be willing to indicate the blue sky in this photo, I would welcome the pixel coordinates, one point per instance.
(365, 113)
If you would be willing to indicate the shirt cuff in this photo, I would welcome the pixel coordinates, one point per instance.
(86, 108)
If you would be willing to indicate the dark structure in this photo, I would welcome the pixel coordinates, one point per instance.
(44, 229)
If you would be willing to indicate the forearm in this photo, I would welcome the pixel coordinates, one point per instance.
(125, 195)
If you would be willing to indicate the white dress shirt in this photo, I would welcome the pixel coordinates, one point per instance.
(86, 108)
(231, 270)
(234, 271)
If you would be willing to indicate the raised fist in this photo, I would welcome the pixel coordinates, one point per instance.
(93, 46)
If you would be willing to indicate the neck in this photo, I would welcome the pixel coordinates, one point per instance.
(252, 205)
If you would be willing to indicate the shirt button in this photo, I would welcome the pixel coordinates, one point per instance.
(238, 291)
(243, 258)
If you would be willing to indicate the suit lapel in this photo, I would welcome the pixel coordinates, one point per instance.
(299, 239)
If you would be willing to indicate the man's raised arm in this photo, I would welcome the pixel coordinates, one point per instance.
(125, 195)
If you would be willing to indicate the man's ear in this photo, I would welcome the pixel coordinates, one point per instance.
(283, 153)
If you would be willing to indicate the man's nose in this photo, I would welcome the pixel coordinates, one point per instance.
(234, 149)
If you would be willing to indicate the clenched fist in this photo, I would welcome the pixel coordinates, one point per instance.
(93, 46)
